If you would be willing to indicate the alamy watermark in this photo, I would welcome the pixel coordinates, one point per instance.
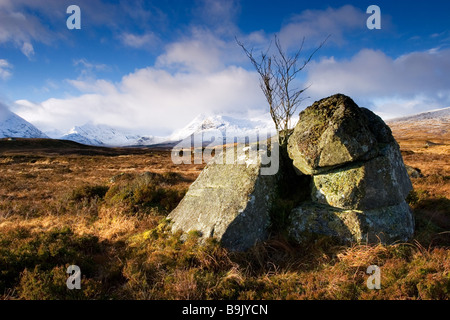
(260, 148)
(374, 281)
(74, 280)
(374, 21)
(74, 20)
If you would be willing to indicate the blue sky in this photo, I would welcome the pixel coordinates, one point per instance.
(152, 66)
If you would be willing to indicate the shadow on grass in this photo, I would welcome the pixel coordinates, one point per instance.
(432, 217)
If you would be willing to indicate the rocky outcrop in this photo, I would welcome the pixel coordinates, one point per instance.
(359, 181)
(354, 188)
(229, 202)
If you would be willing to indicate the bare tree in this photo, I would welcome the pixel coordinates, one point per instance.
(277, 73)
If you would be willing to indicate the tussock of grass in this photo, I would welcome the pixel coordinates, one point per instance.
(148, 190)
(88, 193)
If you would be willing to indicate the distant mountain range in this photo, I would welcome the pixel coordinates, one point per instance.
(103, 135)
(209, 127)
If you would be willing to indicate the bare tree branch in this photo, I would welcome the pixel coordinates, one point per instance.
(277, 73)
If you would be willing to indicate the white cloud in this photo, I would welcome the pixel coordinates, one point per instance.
(87, 70)
(150, 100)
(139, 41)
(93, 86)
(27, 50)
(219, 15)
(5, 69)
(410, 83)
(91, 66)
(196, 74)
(20, 29)
(201, 52)
(315, 25)
(25, 22)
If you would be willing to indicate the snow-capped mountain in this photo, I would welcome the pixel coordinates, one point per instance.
(209, 126)
(441, 115)
(103, 135)
(434, 124)
(11, 125)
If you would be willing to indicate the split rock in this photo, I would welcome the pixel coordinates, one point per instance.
(335, 131)
(380, 182)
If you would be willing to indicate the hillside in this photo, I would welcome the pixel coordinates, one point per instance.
(20, 146)
(11, 125)
(430, 125)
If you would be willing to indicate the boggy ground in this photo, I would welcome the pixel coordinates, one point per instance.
(104, 209)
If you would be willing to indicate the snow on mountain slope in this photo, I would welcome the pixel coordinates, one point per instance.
(103, 135)
(211, 125)
(434, 124)
(11, 125)
(442, 115)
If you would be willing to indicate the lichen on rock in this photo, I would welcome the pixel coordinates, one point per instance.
(386, 224)
(229, 202)
(379, 182)
(330, 133)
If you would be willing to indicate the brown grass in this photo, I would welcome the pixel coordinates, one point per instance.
(62, 205)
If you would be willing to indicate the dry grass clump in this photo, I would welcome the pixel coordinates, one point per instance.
(106, 213)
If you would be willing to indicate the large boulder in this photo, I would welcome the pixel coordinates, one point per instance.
(379, 182)
(386, 224)
(359, 181)
(335, 131)
(351, 171)
(229, 202)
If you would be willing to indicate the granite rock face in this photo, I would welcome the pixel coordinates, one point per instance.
(229, 202)
(379, 182)
(387, 224)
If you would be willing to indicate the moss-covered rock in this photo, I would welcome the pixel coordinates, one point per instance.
(359, 181)
(386, 224)
(230, 202)
(335, 131)
(379, 182)
(358, 186)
